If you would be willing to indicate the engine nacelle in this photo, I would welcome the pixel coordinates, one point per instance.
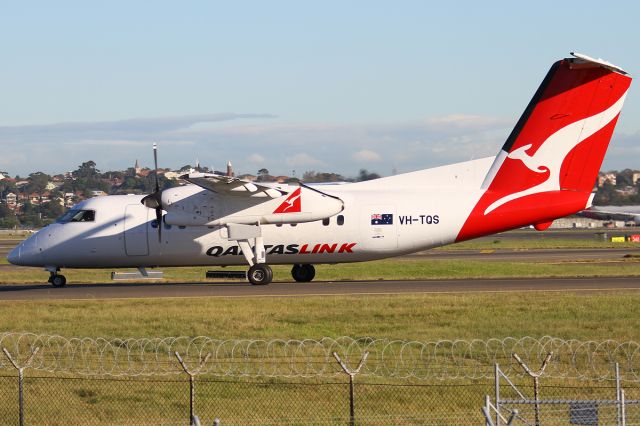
(191, 205)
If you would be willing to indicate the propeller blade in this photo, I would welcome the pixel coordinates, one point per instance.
(154, 200)
(155, 162)
(159, 221)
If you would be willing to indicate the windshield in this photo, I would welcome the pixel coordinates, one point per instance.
(75, 215)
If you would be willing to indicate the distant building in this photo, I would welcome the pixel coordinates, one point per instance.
(98, 193)
(250, 178)
(607, 177)
(171, 175)
(136, 167)
(635, 177)
(69, 199)
(11, 199)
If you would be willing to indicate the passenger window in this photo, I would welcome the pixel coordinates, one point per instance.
(325, 221)
(340, 220)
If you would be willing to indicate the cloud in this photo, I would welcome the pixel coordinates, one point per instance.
(303, 160)
(137, 128)
(256, 158)
(366, 155)
(251, 140)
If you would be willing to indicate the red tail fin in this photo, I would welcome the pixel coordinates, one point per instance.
(548, 165)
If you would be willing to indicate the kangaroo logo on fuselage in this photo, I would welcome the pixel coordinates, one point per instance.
(553, 151)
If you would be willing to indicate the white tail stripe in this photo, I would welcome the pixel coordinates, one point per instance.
(553, 151)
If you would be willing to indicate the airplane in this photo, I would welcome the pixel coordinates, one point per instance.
(545, 170)
(623, 213)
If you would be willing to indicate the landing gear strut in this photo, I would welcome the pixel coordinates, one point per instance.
(249, 238)
(303, 273)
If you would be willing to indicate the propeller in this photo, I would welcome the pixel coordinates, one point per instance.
(154, 200)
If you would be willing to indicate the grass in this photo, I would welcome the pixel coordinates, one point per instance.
(597, 316)
(536, 242)
(389, 269)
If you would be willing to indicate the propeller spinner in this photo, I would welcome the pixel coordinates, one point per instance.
(154, 200)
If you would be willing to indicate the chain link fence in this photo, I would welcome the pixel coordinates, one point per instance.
(381, 396)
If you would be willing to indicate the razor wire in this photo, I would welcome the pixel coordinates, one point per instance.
(305, 358)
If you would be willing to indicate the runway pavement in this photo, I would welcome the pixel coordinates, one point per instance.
(289, 289)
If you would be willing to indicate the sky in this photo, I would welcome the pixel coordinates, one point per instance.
(290, 86)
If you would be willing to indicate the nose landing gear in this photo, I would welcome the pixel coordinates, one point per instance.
(57, 280)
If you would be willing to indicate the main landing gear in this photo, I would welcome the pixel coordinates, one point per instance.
(249, 238)
(56, 279)
(303, 273)
(260, 274)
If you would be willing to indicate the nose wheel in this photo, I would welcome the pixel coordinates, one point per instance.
(57, 280)
(260, 274)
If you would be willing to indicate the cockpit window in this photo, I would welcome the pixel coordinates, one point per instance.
(75, 215)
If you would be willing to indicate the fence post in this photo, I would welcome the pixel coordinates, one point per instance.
(536, 376)
(618, 396)
(192, 374)
(486, 410)
(623, 410)
(21, 378)
(351, 374)
(497, 392)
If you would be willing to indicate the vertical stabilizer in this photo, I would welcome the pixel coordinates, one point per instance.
(549, 163)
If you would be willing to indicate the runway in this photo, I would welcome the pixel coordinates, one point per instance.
(290, 289)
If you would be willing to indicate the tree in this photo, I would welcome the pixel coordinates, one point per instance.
(38, 182)
(87, 170)
(311, 176)
(365, 175)
(263, 175)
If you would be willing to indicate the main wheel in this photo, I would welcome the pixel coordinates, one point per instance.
(303, 273)
(260, 274)
(58, 280)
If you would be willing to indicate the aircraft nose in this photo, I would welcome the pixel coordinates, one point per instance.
(14, 255)
(26, 253)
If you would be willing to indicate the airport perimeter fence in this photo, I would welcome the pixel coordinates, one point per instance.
(153, 381)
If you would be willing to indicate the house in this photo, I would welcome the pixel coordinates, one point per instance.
(11, 200)
(171, 175)
(606, 177)
(250, 178)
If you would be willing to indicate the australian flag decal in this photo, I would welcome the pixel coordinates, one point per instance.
(382, 219)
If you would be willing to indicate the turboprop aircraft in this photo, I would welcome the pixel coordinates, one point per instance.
(545, 170)
(622, 213)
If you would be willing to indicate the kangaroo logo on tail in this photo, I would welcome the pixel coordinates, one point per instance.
(553, 151)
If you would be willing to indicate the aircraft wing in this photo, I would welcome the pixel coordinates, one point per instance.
(226, 185)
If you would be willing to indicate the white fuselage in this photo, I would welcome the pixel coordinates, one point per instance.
(427, 208)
